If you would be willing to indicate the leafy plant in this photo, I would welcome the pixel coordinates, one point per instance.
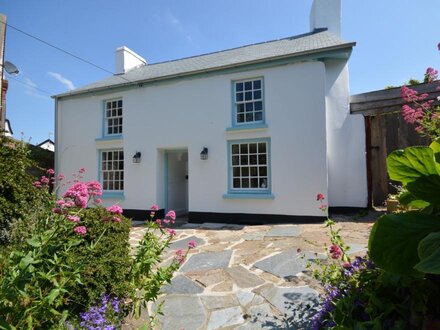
(409, 242)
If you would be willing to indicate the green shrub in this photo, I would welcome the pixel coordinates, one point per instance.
(106, 268)
(18, 198)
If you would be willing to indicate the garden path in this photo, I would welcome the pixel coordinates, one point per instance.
(248, 277)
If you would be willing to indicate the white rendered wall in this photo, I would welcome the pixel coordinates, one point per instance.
(347, 178)
(195, 112)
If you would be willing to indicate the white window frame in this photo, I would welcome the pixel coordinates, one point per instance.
(113, 117)
(246, 165)
(247, 106)
(111, 170)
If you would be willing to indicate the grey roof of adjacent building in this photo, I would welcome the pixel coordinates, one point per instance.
(314, 42)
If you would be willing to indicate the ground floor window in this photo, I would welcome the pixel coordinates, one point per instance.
(112, 170)
(249, 166)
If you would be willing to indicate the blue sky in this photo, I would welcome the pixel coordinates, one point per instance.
(396, 41)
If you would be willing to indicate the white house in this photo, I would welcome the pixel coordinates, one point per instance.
(249, 134)
(47, 144)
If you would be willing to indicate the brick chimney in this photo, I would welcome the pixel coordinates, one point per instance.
(326, 14)
(126, 60)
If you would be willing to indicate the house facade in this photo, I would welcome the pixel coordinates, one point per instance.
(249, 134)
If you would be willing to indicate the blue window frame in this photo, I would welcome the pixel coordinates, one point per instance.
(248, 102)
(249, 166)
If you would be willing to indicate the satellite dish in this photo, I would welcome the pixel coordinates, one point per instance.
(10, 68)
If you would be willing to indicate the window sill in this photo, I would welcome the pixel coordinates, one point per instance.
(247, 127)
(110, 138)
(248, 196)
(113, 195)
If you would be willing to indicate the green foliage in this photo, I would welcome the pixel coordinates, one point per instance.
(105, 266)
(408, 243)
(18, 198)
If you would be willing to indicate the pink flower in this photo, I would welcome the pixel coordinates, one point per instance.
(335, 251)
(37, 184)
(61, 177)
(408, 94)
(44, 180)
(57, 210)
(323, 207)
(192, 244)
(171, 215)
(171, 232)
(411, 115)
(154, 207)
(73, 218)
(80, 230)
(346, 264)
(116, 219)
(98, 200)
(116, 209)
(50, 171)
(430, 75)
(94, 188)
(79, 194)
(180, 257)
(82, 170)
(320, 197)
(159, 222)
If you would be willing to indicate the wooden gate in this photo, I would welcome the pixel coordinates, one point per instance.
(386, 131)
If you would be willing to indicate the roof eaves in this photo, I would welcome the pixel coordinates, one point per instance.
(348, 45)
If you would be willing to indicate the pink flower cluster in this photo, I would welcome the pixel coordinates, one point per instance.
(116, 209)
(335, 251)
(79, 194)
(45, 181)
(80, 230)
(320, 198)
(430, 75)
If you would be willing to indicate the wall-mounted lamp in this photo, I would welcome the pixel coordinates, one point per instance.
(137, 157)
(204, 154)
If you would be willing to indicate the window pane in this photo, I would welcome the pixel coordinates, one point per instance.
(236, 183)
(109, 105)
(245, 171)
(110, 185)
(253, 159)
(262, 147)
(244, 148)
(258, 116)
(239, 97)
(235, 149)
(249, 107)
(257, 84)
(254, 171)
(252, 148)
(245, 183)
(262, 159)
(104, 156)
(235, 160)
(257, 95)
(105, 185)
(248, 96)
(254, 183)
(258, 105)
(239, 86)
(120, 103)
(263, 183)
(240, 118)
(236, 171)
(262, 171)
(240, 108)
(248, 85)
(249, 117)
(244, 160)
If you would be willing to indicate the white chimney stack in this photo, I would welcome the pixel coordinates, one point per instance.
(126, 59)
(326, 14)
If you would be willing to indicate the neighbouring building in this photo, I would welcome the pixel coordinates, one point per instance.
(249, 134)
(47, 144)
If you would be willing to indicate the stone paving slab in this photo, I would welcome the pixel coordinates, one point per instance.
(183, 243)
(207, 261)
(284, 231)
(182, 284)
(182, 312)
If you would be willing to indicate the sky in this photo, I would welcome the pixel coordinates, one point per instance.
(396, 41)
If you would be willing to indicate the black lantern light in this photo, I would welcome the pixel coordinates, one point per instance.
(137, 157)
(204, 154)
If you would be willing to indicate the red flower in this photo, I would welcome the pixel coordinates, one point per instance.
(320, 197)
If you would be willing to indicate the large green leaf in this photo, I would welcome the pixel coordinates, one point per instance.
(429, 254)
(435, 146)
(410, 164)
(426, 188)
(408, 199)
(394, 240)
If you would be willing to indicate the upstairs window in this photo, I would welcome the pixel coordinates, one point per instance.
(248, 100)
(113, 117)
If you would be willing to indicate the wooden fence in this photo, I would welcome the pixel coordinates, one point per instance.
(386, 131)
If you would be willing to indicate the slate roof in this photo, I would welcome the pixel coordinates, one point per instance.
(314, 42)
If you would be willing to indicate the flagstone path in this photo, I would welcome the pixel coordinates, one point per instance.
(248, 277)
